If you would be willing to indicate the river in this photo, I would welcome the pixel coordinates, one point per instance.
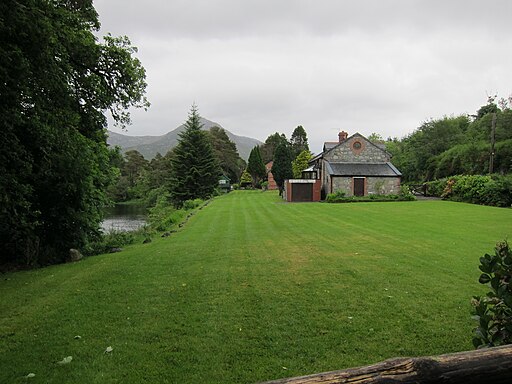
(124, 217)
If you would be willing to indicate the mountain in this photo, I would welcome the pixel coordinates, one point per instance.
(149, 146)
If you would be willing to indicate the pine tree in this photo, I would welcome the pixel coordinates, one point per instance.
(282, 166)
(195, 171)
(299, 141)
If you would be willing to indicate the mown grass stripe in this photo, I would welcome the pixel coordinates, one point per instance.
(251, 285)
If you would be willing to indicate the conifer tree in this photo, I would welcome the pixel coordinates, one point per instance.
(282, 166)
(299, 141)
(195, 171)
(255, 166)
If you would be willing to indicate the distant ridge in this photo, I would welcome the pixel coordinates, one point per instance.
(149, 146)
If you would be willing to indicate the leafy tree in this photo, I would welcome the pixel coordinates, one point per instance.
(255, 166)
(376, 138)
(300, 163)
(282, 166)
(194, 169)
(226, 153)
(57, 82)
(299, 141)
(135, 164)
(271, 143)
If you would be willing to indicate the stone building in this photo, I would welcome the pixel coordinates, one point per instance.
(357, 167)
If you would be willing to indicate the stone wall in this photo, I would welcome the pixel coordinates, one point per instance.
(383, 185)
(357, 150)
(373, 185)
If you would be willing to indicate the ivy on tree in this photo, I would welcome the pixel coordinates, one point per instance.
(194, 168)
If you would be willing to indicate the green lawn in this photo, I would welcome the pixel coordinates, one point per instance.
(253, 289)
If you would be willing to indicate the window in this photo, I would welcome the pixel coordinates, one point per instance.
(357, 145)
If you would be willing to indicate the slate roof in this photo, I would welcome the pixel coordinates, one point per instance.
(330, 145)
(362, 169)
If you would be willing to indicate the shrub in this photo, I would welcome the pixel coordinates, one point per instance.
(493, 312)
(334, 197)
(191, 204)
(405, 193)
(106, 242)
(494, 190)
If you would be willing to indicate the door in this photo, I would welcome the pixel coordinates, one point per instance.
(358, 186)
(302, 192)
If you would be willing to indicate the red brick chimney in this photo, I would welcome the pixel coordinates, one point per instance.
(342, 136)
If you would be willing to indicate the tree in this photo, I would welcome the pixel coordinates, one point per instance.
(194, 169)
(282, 166)
(255, 166)
(57, 82)
(134, 166)
(226, 154)
(376, 138)
(300, 163)
(269, 147)
(245, 179)
(299, 141)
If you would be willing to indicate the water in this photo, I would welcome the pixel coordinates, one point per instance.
(124, 217)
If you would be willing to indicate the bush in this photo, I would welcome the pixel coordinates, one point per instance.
(335, 197)
(339, 197)
(405, 193)
(493, 190)
(106, 242)
(493, 312)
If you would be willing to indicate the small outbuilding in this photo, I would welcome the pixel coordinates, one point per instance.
(225, 184)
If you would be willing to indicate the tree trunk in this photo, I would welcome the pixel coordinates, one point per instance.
(490, 365)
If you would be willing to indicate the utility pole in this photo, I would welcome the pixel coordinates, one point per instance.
(493, 141)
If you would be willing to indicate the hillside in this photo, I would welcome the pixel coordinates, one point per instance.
(149, 146)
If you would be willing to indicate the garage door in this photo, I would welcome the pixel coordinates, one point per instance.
(302, 192)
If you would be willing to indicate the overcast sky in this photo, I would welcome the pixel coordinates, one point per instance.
(262, 66)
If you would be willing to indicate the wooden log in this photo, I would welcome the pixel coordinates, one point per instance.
(490, 365)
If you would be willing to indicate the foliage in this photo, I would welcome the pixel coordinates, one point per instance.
(376, 138)
(194, 169)
(299, 141)
(300, 163)
(268, 149)
(335, 196)
(245, 179)
(282, 165)
(255, 166)
(226, 154)
(406, 193)
(57, 81)
(493, 190)
(108, 241)
(456, 145)
(339, 197)
(164, 215)
(493, 312)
